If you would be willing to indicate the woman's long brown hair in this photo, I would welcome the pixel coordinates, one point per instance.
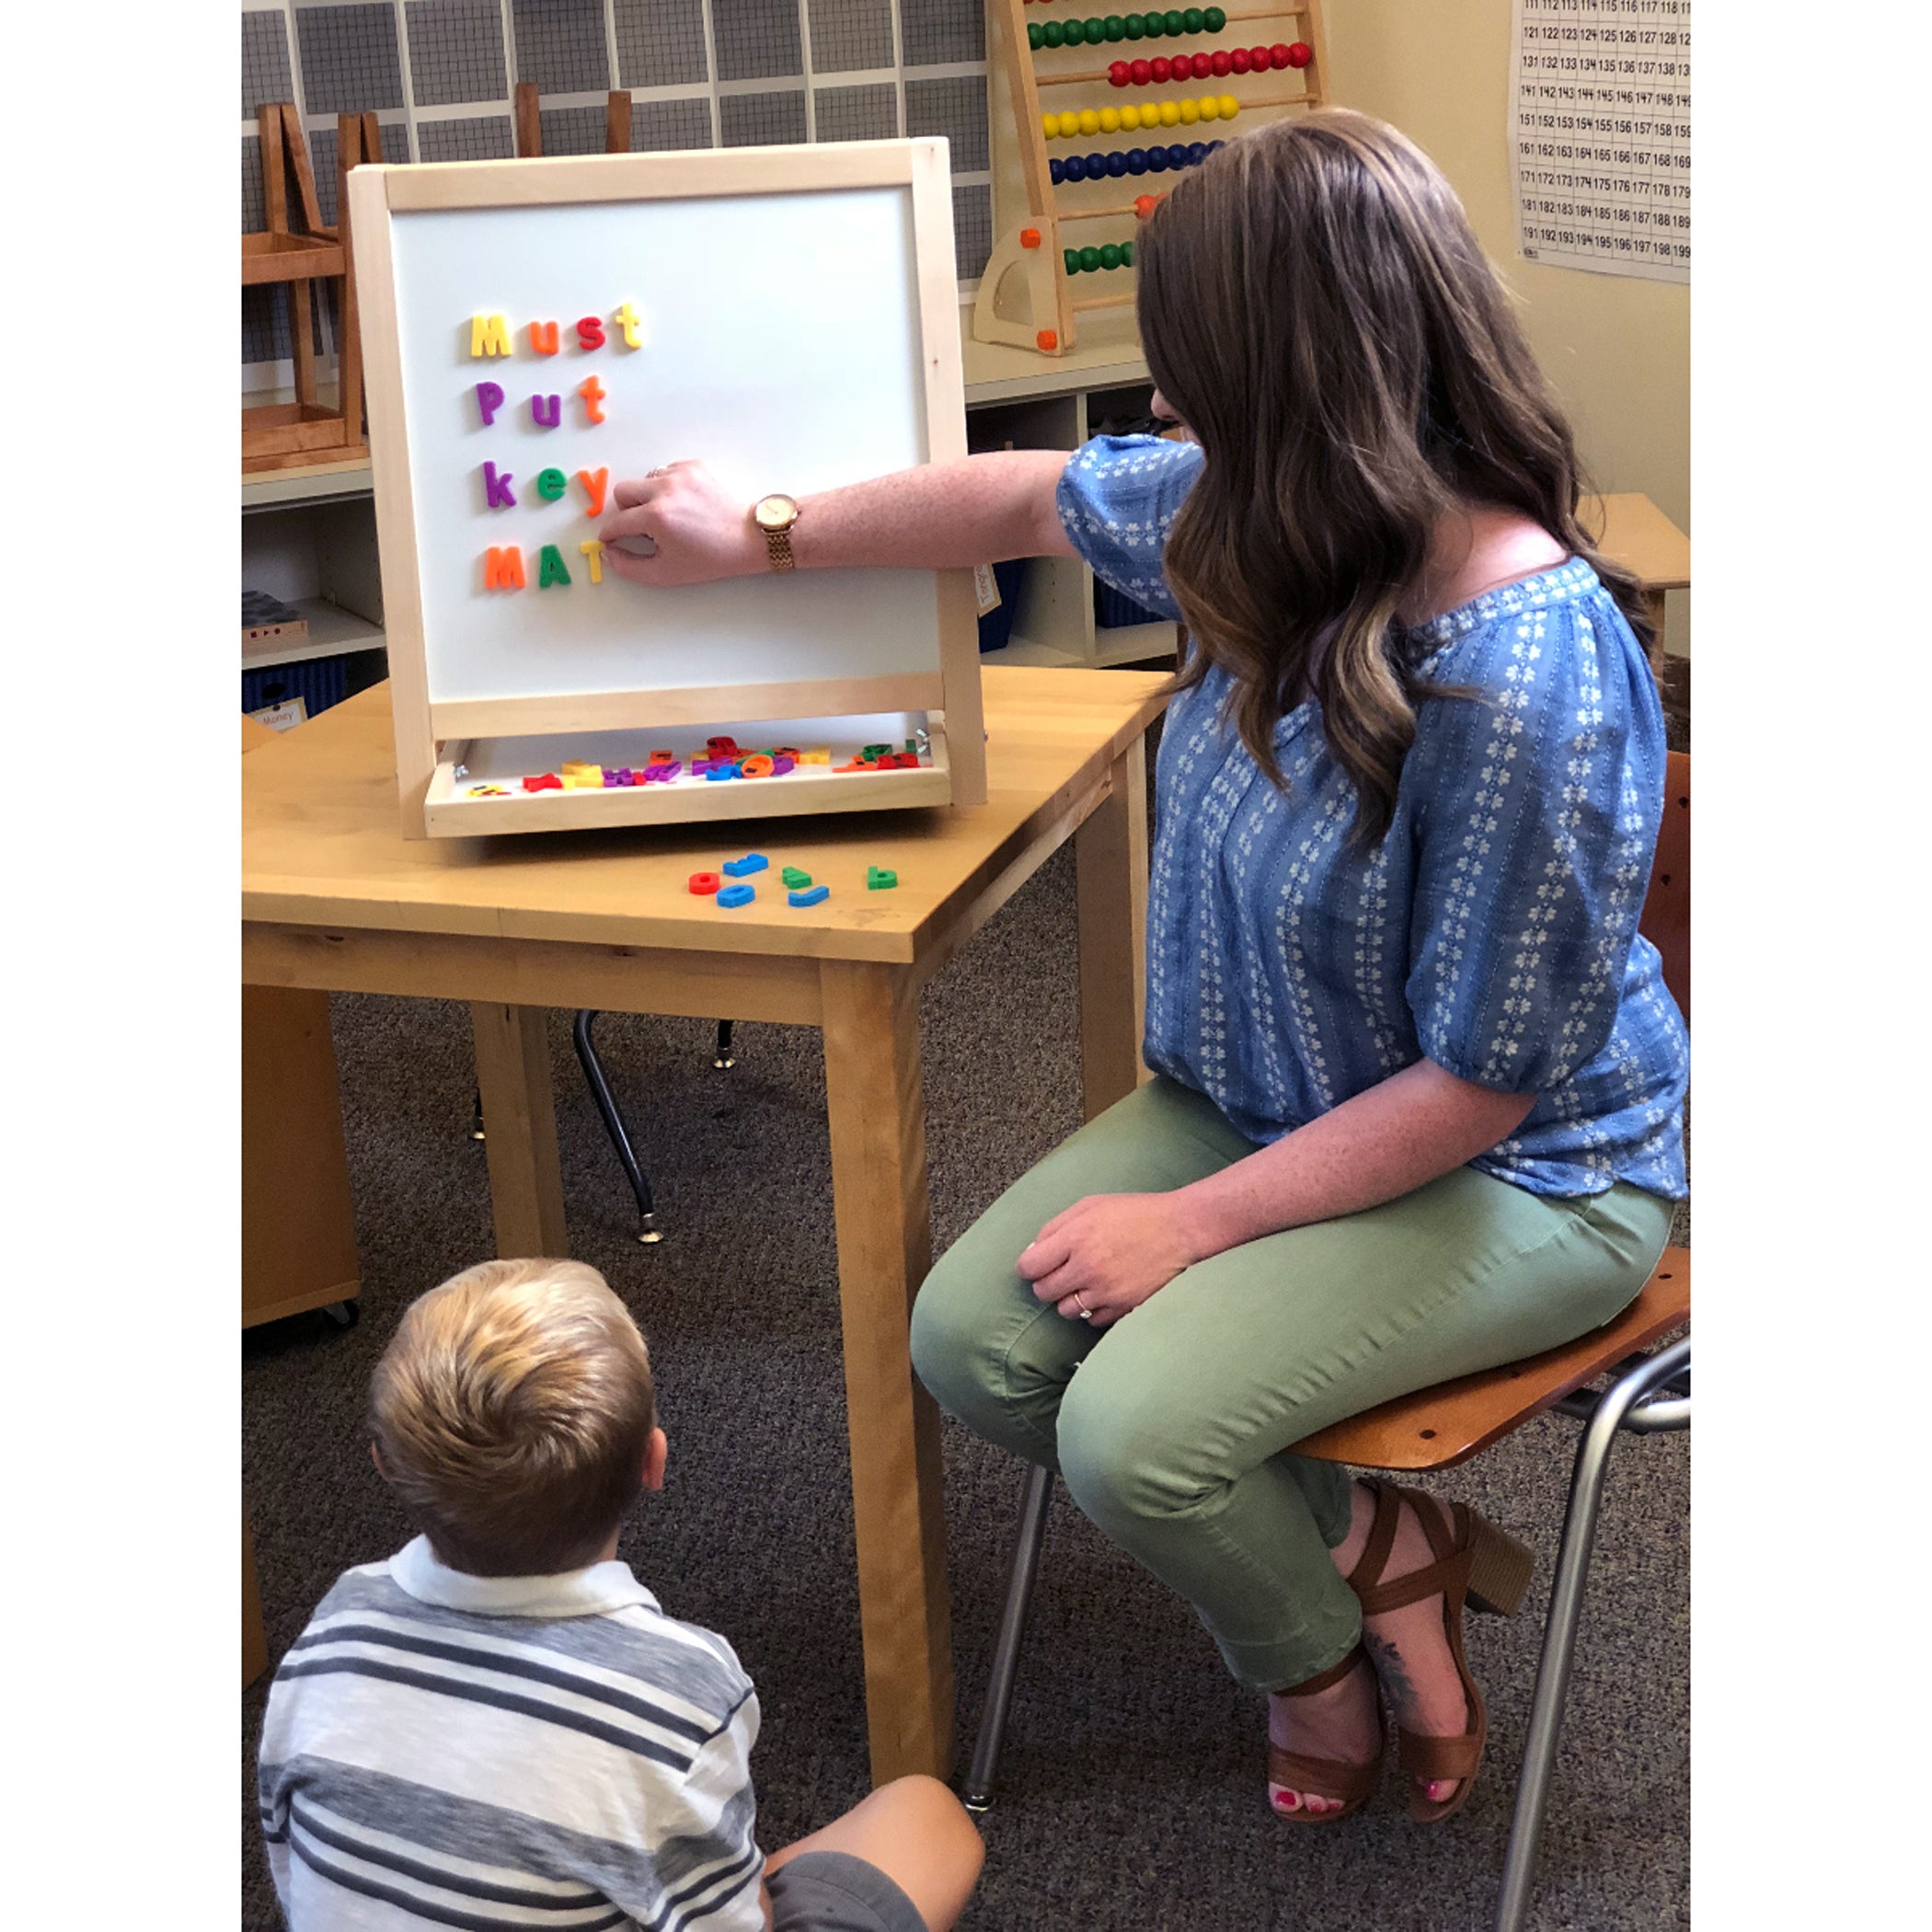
(1317, 310)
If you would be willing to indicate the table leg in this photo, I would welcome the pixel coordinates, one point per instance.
(1110, 874)
(879, 1195)
(519, 1129)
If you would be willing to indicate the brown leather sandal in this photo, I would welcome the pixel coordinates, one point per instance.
(1354, 1785)
(1474, 1562)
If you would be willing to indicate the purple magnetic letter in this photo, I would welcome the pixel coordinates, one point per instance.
(496, 489)
(537, 411)
(489, 399)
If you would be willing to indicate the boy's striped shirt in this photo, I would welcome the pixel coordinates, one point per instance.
(499, 1752)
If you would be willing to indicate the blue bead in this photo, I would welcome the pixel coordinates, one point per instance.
(1117, 163)
(1156, 160)
(1197, 153)
(1215, 147)
(1077, 167)
(1136, 160)
(1177, 155)
(1056, 170)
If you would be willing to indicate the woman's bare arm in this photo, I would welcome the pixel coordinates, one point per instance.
(942, 516)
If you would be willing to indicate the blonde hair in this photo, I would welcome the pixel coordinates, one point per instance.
(513, 1410)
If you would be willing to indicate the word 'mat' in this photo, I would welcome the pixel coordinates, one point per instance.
(504, 569)
(489, 335)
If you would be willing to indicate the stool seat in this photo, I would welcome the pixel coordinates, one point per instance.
(1447, 1423)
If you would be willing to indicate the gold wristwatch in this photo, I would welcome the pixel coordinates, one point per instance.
(775, 516)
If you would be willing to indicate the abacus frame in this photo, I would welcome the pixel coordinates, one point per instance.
(1039, 260)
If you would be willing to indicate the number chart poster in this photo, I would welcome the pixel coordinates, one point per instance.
(1600, 135)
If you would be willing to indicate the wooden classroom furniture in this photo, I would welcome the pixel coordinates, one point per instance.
(1640, 536)
(527, 116)
(334, 898)
(295, 252)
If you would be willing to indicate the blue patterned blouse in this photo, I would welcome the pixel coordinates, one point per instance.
(1494, 931)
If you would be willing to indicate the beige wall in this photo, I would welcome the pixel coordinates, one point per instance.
(1617, 349)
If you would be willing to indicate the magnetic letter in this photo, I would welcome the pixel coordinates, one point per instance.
(489, 399)
(593, 558)
(488, 336)
(537, 411)
(595, 482)
(543, 342)
(626, 318)
(550, 568)
(594, 392)
(497, 492)
(551, 484)
(590, 333)
(503, 569)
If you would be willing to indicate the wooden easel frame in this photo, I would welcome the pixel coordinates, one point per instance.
(428, 735)
(528, 121)
(1032, 244)
(275, 435)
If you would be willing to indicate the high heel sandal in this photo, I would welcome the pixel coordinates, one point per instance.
(1474, 1562)
(1354, 1785)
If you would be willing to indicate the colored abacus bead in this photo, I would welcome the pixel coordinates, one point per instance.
(1056, 170)
(1119, 74)
(1202, 65)
(1114, 27)
(1089, 259)
(1110, 255)
(1136, 26)
(1072, 32)
(1089, 121)
(1143, 71)
(1213, 18)
(1300, 54)
(1156, 160)
(1193, 19)
(1036, 34)
(1177, 155)
(1176, 21)
(1257, 58)
(1197, 153)
(1136, 160)
(1144, 205)
(1126, 255)
(1154, 26)
(1160, 70)
(1237, 61)
(1069, 124)
(1223, 64)
(1277, 55)
(1070, 261)
(1109, 121)
(1117, 164)
(1096, 29)
(1190, 112)
(1230, 107)
(1053, 34)
(1170, 113)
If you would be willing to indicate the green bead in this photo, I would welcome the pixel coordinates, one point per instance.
(1036, 34)
(1136, 26)
(1070, 256)
(1193, 19)
(1116, 27)
(1214, 19)
(1096, 29)
(1053, 34)
(1089, 259)
(1073, 32)
(1176, 21)
(1126, 255)
(1111, 254)
(1156, 25)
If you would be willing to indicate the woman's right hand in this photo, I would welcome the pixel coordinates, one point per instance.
(700, 530)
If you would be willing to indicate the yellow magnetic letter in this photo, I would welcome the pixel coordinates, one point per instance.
(594, 556)
(488, 336)
(626, 320)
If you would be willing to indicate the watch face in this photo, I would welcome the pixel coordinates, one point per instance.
(775, 512)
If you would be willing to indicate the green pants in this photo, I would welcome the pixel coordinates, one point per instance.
(1168, 1426)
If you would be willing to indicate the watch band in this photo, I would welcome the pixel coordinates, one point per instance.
(777, 548)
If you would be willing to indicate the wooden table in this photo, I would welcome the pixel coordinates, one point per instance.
(1638, 535)
(333, 897)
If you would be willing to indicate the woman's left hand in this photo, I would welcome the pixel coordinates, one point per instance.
(1105, 1254)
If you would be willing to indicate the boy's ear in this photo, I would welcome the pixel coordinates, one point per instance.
(376, 1455)
(655, 1451)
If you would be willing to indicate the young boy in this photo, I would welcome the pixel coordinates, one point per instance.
(499, 1726)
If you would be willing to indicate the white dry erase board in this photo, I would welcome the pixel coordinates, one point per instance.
(535, 332)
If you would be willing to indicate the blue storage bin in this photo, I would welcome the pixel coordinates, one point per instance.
(1113, 610)
(318, 681)
(996, 626)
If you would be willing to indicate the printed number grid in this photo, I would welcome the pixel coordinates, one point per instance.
(1601, 135)
(441, 74)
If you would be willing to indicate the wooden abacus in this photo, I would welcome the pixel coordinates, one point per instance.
(1032, 249)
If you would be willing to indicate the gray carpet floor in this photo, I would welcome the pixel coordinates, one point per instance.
(1132, 1793)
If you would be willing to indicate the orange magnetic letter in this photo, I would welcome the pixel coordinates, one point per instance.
(503, 569)
(594, 392)
(543, 337)
(595, 482)
(594, 556)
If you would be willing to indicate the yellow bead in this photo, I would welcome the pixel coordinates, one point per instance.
(1069, 124)
(1169, 114)
(1230, 107)
(1209, 108)
(1109, 121)
(1051, 123)
(1089, 121)
(1190, 113)
(1130, 118)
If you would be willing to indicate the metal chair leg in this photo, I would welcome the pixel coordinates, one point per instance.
(724, 1057)
(1566, 1606)
(1012, 1629)
(647, 1228)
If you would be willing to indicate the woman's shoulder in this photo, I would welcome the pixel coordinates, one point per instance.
(1553, 617)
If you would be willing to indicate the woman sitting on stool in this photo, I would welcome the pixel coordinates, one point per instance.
(1418, 1098)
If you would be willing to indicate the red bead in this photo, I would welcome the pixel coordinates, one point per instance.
(1277, 55)
(1300, 54)
(1223, 62)
(1203, 65)
(1258, 59)
(1119, 74)
(1238, 60)
(1162, 67)
(1142, 72)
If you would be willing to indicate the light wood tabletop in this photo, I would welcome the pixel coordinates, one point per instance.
(333, 897)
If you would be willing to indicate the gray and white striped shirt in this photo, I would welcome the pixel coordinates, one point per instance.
(495, 1753)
